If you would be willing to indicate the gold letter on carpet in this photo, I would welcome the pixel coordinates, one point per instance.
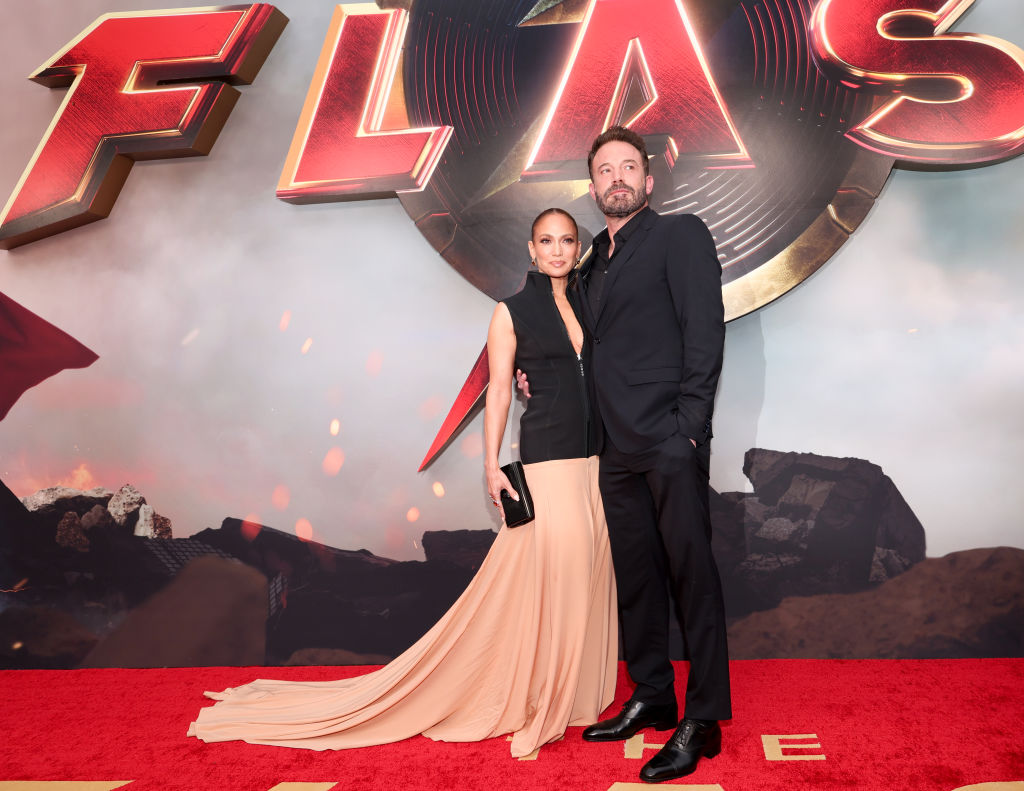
(303, 787)
(773, 746)
(1009, 785)
(62, 785)
(635, 745)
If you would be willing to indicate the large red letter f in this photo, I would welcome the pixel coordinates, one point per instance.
(119, 108)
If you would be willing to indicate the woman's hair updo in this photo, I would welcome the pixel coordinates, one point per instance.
(554, 210)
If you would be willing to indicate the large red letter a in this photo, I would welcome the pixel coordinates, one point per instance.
(652, 45)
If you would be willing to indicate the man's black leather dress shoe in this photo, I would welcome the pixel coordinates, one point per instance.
(693, 740)
(634, 717)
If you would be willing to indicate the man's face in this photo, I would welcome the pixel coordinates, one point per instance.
(617, 180)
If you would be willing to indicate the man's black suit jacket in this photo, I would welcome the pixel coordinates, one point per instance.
(655, 350)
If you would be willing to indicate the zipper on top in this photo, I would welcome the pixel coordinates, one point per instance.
(583, 377)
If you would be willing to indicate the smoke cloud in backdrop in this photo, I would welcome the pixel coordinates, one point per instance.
(293, 363)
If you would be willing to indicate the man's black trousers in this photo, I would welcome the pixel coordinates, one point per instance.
(659, 526)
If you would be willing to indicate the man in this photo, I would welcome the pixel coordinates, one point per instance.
(651, 294)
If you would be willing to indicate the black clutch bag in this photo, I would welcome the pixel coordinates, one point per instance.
(516, 513)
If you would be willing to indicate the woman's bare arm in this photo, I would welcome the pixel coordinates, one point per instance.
(501, 354)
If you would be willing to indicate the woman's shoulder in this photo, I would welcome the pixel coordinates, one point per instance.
(526, 295)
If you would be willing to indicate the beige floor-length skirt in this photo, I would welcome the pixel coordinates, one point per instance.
(529, 648)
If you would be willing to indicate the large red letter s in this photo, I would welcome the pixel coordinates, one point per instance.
(119, 108)
(959, 98)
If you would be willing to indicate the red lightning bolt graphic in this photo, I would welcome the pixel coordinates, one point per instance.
(470, 397)
(31, 350)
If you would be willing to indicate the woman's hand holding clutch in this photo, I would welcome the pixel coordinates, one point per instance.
(496, 481)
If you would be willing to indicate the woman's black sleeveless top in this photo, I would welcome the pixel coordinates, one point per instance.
(556, 423)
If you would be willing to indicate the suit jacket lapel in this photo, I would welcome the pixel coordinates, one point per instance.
(580, 290)
(622, 259)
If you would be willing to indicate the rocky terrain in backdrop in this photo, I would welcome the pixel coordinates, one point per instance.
(812, 525)
(966, 604)
(823, 558)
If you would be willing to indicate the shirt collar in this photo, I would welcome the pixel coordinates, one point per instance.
(603, 239)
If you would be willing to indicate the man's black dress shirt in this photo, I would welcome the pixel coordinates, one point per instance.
(603, 262)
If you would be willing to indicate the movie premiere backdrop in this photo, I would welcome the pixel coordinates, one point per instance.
(251, 252)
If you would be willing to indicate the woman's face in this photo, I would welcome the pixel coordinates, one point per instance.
(554, 245)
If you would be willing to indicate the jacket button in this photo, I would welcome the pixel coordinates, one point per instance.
(597, 340)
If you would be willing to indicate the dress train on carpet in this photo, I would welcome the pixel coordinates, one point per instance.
(528, 649)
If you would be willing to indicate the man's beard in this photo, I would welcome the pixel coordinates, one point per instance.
(621, 206)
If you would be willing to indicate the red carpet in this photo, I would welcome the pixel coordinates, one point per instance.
(932, 725)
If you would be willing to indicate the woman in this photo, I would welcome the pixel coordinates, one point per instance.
(530, 646)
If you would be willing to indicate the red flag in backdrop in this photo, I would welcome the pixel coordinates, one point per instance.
(31, 350)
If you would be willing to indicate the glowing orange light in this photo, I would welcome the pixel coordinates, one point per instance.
(251, 527)
(472, 446)
(438, 489)
(412, 514)
(335, 427)
(430, 408)
(81, 478)
(281, 497)
(286, 318)
(374, 363)
(333, 461)
(17, 646)
(307, 345)
(304, 530)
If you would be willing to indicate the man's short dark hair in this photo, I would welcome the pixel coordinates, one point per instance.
(624, 135)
